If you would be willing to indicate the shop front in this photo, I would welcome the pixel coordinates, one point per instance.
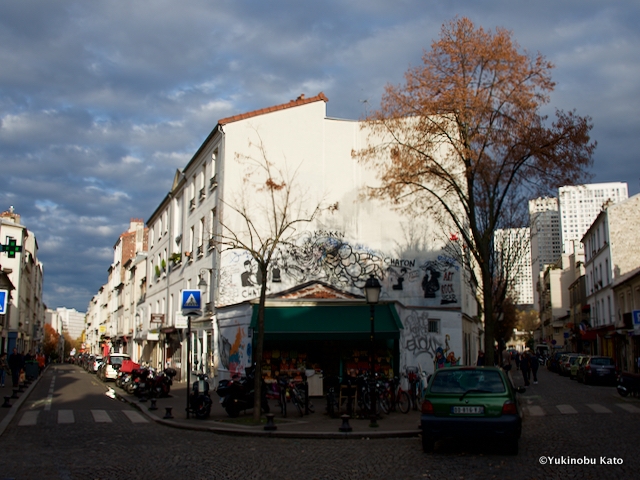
(331, 340)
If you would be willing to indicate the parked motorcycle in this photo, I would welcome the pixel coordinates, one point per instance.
(199, 399)
(238, 394)
(159, 384)
(628, 384)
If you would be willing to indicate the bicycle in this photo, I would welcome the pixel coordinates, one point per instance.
(398, 398)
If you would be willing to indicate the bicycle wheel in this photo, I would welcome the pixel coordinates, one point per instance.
(297, 400)
(384, 404)
(403, 402)
(283, 403)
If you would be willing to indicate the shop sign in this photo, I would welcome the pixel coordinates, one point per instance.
(103, 328)
(157, 318)
(181, 320)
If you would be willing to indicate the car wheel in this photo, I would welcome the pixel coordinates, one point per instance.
(428, 443)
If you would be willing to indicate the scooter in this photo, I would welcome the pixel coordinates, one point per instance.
(199, 399)
(628, 384)
(238, 394)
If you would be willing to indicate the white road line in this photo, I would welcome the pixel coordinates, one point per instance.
(598, 408)
(566, 409)
(101, 416)
(29, 417)
(66, 416)
(628, 407)
(135, 417)
(536, 411)
(48, 402)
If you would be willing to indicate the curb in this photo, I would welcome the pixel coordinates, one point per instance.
(264, 433)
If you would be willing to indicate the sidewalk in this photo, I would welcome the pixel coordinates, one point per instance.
(314, 425)
(7, 413)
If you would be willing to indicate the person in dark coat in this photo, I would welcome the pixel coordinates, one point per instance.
(480, 361)
(535, 363)
(525, 367)
(16, 363)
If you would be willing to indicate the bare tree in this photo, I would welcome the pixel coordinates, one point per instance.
(265, 219)
(464, 142)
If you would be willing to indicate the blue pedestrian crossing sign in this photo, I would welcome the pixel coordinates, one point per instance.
(191, 301)
(3, 301)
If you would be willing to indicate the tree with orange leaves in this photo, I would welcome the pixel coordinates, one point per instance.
(464, 141)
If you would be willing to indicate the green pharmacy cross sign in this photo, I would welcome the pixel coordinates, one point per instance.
(11, 248)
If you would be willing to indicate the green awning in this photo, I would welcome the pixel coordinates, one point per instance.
(323, 322)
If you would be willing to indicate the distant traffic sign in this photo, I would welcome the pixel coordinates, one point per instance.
(3, 301)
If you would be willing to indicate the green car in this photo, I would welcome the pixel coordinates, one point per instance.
(471, 403)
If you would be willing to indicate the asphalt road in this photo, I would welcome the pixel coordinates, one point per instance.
(69, 429)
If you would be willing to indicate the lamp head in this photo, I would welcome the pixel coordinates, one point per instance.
(372, 289)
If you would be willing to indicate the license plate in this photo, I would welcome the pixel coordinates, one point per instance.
(467, 410)
(603, 372)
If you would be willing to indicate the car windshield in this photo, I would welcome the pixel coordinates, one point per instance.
(460, 381)
(601, 361)
(117, 360)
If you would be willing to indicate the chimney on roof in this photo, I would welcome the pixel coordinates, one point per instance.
(301, 97)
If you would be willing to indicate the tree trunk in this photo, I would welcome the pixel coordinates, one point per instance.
(257, 354)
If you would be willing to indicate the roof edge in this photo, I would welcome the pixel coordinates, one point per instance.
(301, 100)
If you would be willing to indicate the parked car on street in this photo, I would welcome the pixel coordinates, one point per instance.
(575, 366)
(597, 369)
(564, 365)
(94, 363)
(553, 363)
(471, 403)
(110, 365)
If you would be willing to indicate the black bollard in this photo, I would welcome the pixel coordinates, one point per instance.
(20, 387)
(345, 427)
(168, 412)
(153, 404)
(270, 425)
(6, 403)
(15, 393)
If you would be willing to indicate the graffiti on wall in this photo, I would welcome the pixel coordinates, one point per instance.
(422, 347)
(328, 257)
(235, 349)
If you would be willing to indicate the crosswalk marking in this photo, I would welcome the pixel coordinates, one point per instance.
(598, 408)
(101, 416)
(66, 416)
(566, 409)
(135, 417)
(30, 417)
(628, 407)
(536, 411)
(539, 411)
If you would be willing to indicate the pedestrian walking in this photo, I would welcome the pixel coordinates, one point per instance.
(525, 367)
(4, 368)
(506, 364)
(535, 363)
(16, 364)
(480, 360)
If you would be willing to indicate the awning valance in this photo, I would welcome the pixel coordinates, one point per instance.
(323, 322)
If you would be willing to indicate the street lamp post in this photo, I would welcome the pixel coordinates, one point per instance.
(372, 289)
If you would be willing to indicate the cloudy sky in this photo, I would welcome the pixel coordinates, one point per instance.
(101, 101)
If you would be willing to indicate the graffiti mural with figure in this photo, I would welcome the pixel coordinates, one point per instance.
(329, 257)
(235, 349)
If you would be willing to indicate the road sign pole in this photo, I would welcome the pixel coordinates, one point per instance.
(188, 361)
